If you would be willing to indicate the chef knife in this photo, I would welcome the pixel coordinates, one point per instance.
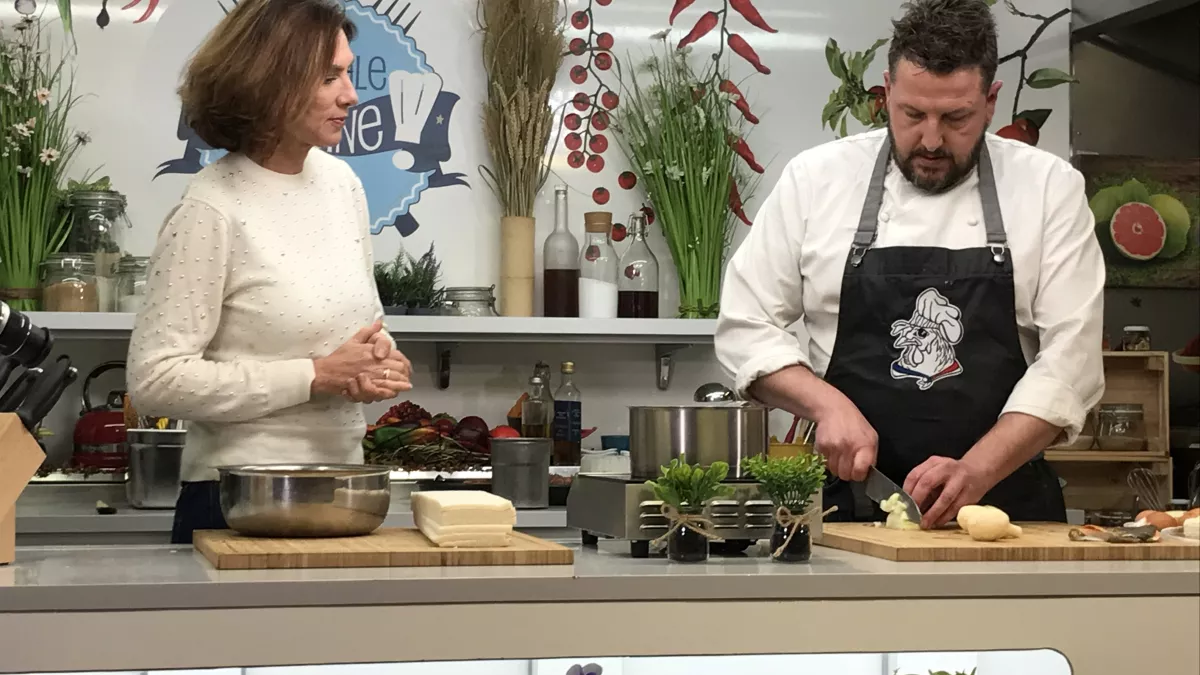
(879, 488)
(45, 391)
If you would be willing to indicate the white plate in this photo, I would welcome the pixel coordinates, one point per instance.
(1177, 533)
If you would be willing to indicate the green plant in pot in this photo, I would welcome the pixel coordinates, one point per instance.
(685, 489)
(790, 482)
(36, 147)
(410, 286)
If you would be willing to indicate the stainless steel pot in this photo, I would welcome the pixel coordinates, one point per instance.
(521, 471)
(700, 433)
(154, 459)
(304, 500)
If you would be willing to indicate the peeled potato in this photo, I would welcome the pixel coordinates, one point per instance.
(1158, 519)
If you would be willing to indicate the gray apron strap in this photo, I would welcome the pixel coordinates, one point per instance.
(868, 220)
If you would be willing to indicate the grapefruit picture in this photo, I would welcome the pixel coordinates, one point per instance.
(1138, 231)
(1178, 220)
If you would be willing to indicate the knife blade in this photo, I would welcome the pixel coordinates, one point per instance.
(879, 488)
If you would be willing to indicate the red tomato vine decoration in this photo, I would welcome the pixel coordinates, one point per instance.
(586, 143)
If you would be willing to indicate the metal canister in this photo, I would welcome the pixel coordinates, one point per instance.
(521, 471)
(155, 456)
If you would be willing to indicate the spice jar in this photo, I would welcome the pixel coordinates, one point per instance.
(1135, 339)
(69, 283)
(131, 283)
(1121, 426)
(471, 301)
(98, 222)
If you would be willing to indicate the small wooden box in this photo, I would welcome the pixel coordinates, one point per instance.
(20, 457)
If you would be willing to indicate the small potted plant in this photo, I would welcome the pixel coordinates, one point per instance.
(790, 482)
(424, 292)
(392, 282)
(684, 490)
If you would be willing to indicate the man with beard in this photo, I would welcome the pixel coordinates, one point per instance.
(949, 283)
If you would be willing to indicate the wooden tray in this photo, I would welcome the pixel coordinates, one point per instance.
(1039, 542)
(386, 547)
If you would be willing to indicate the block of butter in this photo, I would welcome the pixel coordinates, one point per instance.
(464, 518)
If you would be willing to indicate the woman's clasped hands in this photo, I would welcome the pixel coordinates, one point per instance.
(366, 369)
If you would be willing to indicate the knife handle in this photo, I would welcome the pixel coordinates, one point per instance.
(45, 391)
(12, 397)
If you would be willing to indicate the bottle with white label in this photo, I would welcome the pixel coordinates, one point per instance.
(598, 268)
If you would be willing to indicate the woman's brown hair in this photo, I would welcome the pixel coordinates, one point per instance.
(257, 70)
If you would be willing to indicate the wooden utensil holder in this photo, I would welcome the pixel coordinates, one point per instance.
(20, 458)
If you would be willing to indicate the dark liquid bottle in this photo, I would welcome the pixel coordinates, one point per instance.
(637, 304)
(560, 292)
(560, 264)
(568, 419)
(637, 279)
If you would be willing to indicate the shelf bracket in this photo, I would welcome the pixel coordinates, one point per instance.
(664, 357)
(443, 351)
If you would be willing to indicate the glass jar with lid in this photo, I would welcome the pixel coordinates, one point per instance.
(1135, 339)
(131, 283)
(598, 268)
(69, 283)
(1121, 427)
(471, 301)
(98, 222)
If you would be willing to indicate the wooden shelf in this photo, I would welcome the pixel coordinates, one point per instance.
(1103, 456)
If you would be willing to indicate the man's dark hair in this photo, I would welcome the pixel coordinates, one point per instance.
(942, 36)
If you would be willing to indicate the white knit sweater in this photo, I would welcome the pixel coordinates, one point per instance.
(254, 274)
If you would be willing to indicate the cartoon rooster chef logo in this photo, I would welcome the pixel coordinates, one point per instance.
(926, 341)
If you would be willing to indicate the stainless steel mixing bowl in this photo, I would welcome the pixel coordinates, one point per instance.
(304, 500)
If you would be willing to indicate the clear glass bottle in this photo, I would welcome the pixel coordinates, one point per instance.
(637, 281)
(560, 264)
(568, 419)
(598, 268)
(537, 411)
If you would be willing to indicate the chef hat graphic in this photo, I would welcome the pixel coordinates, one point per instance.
(933, 310)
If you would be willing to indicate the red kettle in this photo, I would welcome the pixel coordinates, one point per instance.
(100, 431)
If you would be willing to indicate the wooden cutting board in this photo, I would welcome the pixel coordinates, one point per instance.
(385, 547)
(1038, 542)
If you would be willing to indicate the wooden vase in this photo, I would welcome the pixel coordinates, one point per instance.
(516, 266)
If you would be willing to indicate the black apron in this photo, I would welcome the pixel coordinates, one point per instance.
(927, 348)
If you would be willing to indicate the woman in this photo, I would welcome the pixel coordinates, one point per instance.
(262, 325)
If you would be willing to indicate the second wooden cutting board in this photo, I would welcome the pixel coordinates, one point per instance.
(1038, 542)
(386, 547)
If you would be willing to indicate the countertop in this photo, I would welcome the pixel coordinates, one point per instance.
(165, 577)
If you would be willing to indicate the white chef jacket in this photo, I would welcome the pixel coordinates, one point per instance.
(790, 266)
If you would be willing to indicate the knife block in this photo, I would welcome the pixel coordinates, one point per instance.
(20, 458)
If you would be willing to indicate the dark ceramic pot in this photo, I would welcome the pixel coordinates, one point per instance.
(798, 550)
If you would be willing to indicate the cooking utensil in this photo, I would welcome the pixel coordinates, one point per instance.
(521, 471)
(1145, 487)
(304, 500)
(699, 433)
(1194, 487)
(713, 392)
(155, 456)
(879, 488)
(45, 390)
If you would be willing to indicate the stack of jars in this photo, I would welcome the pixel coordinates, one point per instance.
(85, 276)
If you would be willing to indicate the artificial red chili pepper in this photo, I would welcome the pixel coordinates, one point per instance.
(145, 15)
(739, 101)
(680, 5)
(702, 28)
(735, 201)
(747, 10)
(743, 49)
(739, 146)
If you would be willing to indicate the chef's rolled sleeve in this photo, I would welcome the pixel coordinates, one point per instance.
(761, 294)
(1066, 378)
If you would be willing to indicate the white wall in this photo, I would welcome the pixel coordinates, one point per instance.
(130, 71)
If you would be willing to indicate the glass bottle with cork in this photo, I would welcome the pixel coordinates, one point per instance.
(537, 411)
(560, 262)
(637, 283)
(598, 268)
(568, 419)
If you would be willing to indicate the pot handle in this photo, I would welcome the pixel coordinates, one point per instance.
(97, 372)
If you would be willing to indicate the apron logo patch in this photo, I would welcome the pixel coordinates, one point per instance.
(926, 341)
